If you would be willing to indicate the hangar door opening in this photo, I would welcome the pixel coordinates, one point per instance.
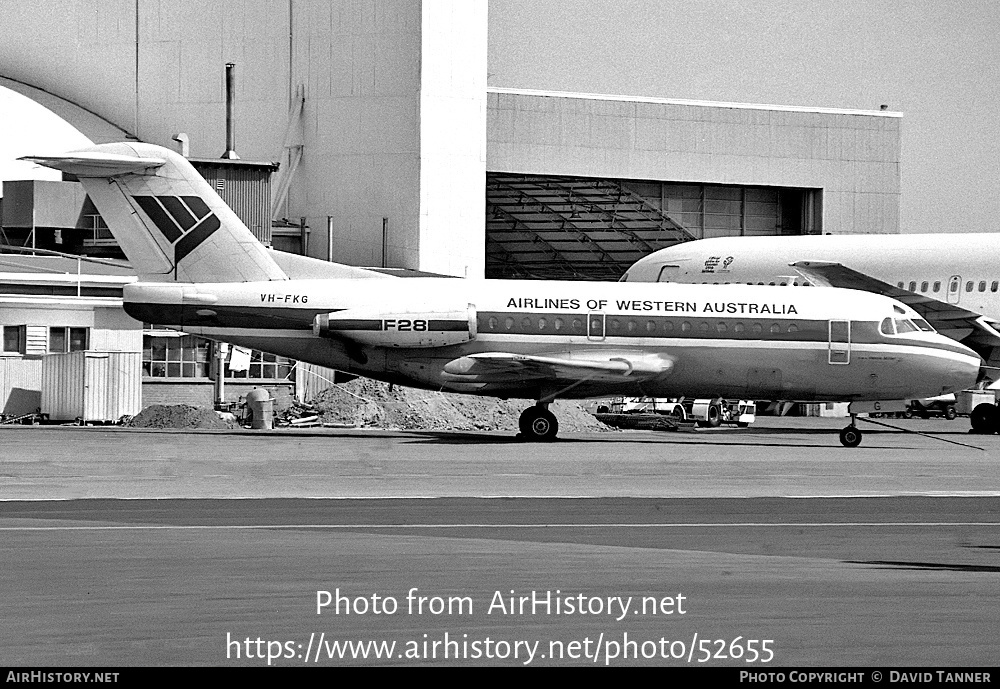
(580, 228)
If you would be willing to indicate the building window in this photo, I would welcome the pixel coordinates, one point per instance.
(13, 339)
(68, 339)
(263, 365)
(174, 355)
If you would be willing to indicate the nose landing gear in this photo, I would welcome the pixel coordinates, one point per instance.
(850, 436)
(537, 423)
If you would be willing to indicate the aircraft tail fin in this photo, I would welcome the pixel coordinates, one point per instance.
(167, 219)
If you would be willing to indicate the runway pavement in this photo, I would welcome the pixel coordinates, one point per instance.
(772, 543)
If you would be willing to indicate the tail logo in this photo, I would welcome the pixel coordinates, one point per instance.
(185, 221)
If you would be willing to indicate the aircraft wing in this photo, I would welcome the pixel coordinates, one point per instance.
(948, 319)
(488, 367)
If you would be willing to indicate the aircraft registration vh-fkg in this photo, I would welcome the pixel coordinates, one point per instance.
(202, 271)
(949, 279)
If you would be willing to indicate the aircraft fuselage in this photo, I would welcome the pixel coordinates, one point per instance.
(956, 268)
(671, 340)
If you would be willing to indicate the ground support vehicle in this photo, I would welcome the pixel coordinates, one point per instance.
(657, 413)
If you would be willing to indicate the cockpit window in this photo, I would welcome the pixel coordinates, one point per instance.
(623, 278)
(905, 326)
(886, 327)
(923, 325)
(668, 272)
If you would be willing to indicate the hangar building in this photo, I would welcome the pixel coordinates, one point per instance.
(396, 153)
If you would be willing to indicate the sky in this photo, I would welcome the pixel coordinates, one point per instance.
(38, 132)
(936, 62)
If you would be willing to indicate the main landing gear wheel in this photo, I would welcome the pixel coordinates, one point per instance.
(984, 418)
(537, 423)
(714, 417)
(850, 436)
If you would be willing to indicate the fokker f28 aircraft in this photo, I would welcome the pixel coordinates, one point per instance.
(203, 272)
(951, 280)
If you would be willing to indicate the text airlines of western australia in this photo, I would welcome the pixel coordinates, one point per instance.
(731, 307)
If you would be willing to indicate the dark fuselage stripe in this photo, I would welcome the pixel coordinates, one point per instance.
(356, 324)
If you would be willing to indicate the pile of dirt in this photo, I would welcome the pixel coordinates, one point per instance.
(366, 403)
(178, 416)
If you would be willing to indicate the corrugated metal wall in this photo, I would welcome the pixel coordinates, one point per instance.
(310, 380)
(93, 386)
(246, 188)
(20, 382)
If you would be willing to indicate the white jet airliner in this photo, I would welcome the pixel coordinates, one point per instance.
(951, 280)
(203, 272)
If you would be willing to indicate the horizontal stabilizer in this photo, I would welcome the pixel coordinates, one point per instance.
(94, 164)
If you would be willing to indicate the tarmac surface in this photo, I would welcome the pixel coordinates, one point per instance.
(770, 546)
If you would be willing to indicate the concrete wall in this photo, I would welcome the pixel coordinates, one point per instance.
(853, 156)
(202, 394)
(42, 203)
(453, 139)
(394, 118)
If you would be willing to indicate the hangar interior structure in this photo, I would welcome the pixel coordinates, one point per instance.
(379, 142)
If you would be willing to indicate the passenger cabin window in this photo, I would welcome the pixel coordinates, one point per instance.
(969, 285)
(994, 286)
(923, 286)
(982, 285)
(937, 286)
(913, 285)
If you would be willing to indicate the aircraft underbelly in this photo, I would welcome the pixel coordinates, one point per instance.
(757, 370)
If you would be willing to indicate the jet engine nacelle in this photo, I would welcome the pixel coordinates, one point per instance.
(404, 327)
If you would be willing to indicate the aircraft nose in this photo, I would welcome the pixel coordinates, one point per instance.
(957, 367)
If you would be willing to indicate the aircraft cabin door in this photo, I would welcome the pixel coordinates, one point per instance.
(595, 326)
(840, 342)
(954, 289)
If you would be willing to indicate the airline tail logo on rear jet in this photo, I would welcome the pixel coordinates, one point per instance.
(185, 221)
